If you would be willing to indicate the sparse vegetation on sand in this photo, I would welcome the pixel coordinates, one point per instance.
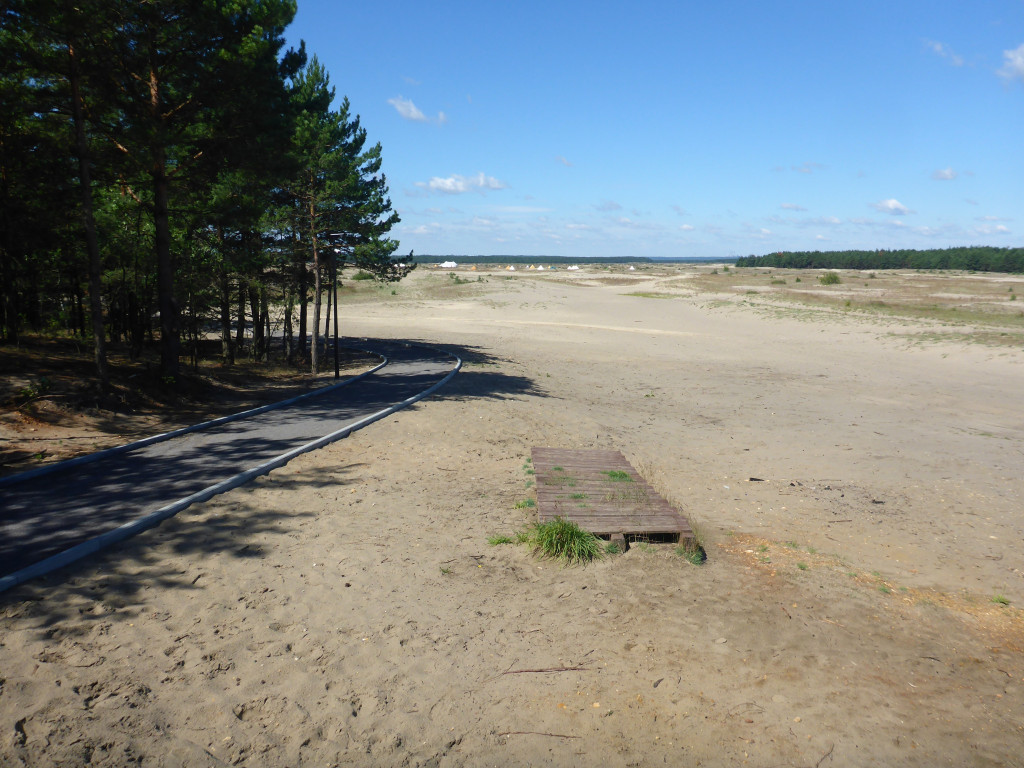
(562, 539)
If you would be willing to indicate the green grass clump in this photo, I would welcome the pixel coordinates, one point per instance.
(693, 551)
(362, 275)
(802, 566)
(526, 504)
(1000, 600)
(611, 548)
(830, 278)
(564, 540)
(618, 476)
(496, 540)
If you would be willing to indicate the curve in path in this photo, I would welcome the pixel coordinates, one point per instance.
(50, 519)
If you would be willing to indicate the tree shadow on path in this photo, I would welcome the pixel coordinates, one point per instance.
(481, 375)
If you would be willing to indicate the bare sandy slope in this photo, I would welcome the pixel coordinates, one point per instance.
(348, 610)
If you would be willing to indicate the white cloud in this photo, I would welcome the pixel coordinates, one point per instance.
(563, 161)
(999, 229)
(944, 174)
(687, 227)
(891, 206)
(410, 111)
(456, 184)
(521, 209)
(426, 229)
(992, 218)
(792, 207)
(943, 50)
(407, 109)
(1013, 64)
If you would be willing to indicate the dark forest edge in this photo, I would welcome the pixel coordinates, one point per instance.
(169, 169)
(978, 258)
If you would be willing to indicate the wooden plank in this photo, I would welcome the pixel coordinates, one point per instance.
(582, 486)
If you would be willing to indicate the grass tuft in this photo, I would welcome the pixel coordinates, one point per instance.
(618, 476)
(562, 539)
(496, 540)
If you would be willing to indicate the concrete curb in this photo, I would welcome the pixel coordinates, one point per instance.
(91, 457)
(126, 531)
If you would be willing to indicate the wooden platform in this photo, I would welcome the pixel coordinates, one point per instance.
(602, 493)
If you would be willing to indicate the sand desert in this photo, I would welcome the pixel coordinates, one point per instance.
(853, 456)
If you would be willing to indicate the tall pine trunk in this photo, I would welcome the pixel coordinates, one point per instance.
(314, 352)
(227, 346)
(257, 322)
(89, 223)
(303, 307)
(240, 331)
(170, 321)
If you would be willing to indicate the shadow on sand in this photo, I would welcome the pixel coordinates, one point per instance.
(117, 578)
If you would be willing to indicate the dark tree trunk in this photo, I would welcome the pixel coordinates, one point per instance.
(265, 312)
(303, 307)
(170, 320)
(89, 225)
(227, 346)
(240, 330)
(257, 324)
(288, 346)
(330, 297)
(314, 352)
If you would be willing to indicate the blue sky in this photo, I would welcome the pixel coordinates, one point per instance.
(686, 129)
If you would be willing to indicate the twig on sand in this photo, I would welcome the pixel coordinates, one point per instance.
(537, 733)
(827, 754)
(548, 669)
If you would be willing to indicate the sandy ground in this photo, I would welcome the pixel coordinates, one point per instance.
(348, 609)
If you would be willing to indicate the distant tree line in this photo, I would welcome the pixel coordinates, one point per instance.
(515, 259)
(166, 166)
(977, 258)
(592, 260)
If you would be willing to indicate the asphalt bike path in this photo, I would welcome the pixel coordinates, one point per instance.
(59, 514)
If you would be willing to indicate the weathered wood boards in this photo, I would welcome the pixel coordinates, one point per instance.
(602, 493)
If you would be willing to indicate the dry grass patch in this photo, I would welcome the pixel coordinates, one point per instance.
(1000, 622)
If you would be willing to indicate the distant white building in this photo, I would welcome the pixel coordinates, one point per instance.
(448, 265)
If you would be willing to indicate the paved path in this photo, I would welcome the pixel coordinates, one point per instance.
(59, 516)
